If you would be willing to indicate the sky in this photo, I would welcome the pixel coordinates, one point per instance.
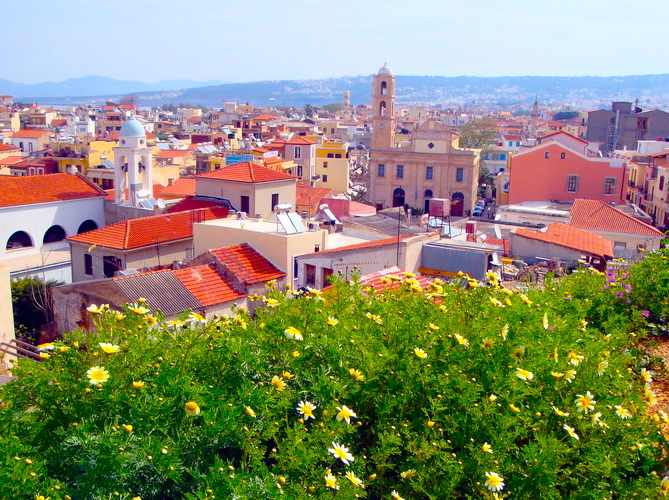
(153, 40)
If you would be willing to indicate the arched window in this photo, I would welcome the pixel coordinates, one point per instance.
(428, 193)
(661, 186)
(87, 225)
(54, 234)
(384, 88)
(382, 108)
(20, 239)
(458, 204)
(330, 155)
(398, 197)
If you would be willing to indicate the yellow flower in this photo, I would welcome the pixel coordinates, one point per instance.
(493, 481)
(192, 408)
(514, 408)
(585, 402)
(109, 348)
(583, 324)
(544, 321)
(557, 374)
(356, 374)
(492, 398)
(293, 333)
(569, 375)
(270, 302)
(487, 344)
(408, 473)
(331, 481)
(395, 496)
(306, 409)
(287, 375)
(270, 283)
(279, 385)
(571, 432)
(420, 353)
(574, 358)
(430, 423)
(151, 320)
(332, 321)
(505, 331)
(555, 355)
(486, 448)
(127, 427)
(495, 302)
(461, 340)
(138, 385)
(601, 366)
(664, 486)
(355, 481)
(240, 322)
(43, 355)
(345, 413)
(525, 300)
(93, 309)
(139, 310)
(63, 348)
(492, 277)
(295, 354)
(433, 327)
(375, 318)
(560, 412)
(254, 297)
(524, 374)
(622, 412)
(119, 316)
(341, 452)
(646, 376)
(97, 375)
(249, 411)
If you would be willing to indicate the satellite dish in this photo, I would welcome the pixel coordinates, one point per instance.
(161, 203)
(143, 194)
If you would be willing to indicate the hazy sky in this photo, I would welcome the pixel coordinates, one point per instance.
(151, 40)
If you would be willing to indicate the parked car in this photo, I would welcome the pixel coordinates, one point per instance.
(478, 210)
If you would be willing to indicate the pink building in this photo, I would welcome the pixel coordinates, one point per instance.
(560, 168)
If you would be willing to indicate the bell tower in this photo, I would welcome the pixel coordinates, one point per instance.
(133, 175)
(383, 109)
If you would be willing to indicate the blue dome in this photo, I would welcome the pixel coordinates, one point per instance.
(132, 128)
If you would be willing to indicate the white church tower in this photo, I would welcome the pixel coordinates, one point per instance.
(132, 165)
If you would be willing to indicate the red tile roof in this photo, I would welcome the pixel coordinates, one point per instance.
(596, 215)
(31, 134)
(136, 233)
(502, 243)
(207, 284)
(265, 117)
(10, 160)
(245, 263)
(173, 153)
(191, 203)
(660, 154)
(300, 140)
(366, 244)
(8, 147)
(29, 190)
(247, 172)
(571, 237)
(311, 196)
(58, 122)
(374, 279)
(560, 132)
(183, 186)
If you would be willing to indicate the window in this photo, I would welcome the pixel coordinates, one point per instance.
(325, 178)
(610, 185)
(400, 171)
(88, 264)
(572, 183)
(310, 273)
(245, 205)
(325, 164)
(502, 156)
(21, 145)
(30, 146)
(547, 154)
(338, 155)
(111, 264)
(327, 272)
(563, 156)
(510, 143)
(384, 88)
(330, 155)
(429, 173)
(20, 239)
(275, 201)
(299, 170)
(459, 174)
(380, 170)
(661, 186)
(298, 152)
(619, 245)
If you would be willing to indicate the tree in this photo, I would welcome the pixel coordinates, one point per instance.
(310, 110)
(334, 107)
(486, 180)
(565, 115)
(477, 133)
(33, 306)
(130, 99)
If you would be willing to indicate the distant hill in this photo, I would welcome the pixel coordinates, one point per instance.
(508, 92)
(95, 86)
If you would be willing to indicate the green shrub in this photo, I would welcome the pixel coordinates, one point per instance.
(455, 393)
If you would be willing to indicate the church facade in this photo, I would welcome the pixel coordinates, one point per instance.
(410, 169)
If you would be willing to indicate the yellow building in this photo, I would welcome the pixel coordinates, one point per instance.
(332, 166)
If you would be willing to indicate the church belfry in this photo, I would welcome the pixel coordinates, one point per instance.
(383, 104)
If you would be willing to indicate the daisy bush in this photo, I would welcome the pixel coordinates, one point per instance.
(408, 392)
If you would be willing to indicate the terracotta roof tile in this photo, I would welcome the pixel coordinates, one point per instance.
(265, 117)
(183, 186)
(207, 284)
(247, 172)
(173, 153)
(571, 237)
(31, 134)
(365, 244)
(136, 233)
(11, 160)
(311, 196)
(300, 140)
(596, 215)
(246, 264)
(28, 190)
(374, 279)
(8, 147)
(161, 289)
(192, 203)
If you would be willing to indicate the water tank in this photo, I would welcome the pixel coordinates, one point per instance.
(440, 207)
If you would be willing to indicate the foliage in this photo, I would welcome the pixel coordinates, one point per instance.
(310, 110)
(333, 107)
(477, 133)
(453, 391)
(651, 287)
(565, 115)
(32, 305)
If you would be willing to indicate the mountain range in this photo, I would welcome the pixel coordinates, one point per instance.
(94, 86)
(504, 92)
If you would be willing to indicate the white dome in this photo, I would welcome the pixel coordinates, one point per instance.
(132, 128)
(385, 71)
